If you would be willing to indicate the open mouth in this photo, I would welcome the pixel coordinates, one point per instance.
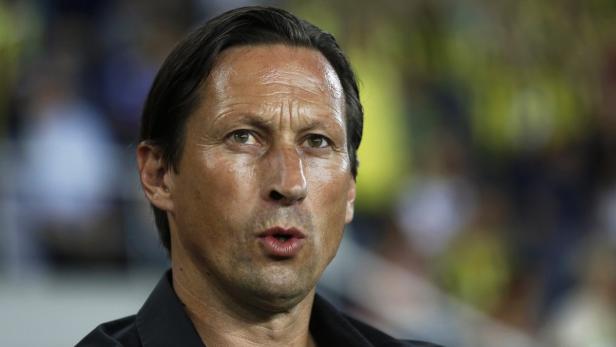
(282, 234)
(281, 243)
(281, 237)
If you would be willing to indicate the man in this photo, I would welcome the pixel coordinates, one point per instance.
(248, 157)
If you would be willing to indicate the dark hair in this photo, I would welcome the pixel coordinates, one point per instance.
(175, 91)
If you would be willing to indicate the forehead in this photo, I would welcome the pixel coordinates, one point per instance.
(275, 68)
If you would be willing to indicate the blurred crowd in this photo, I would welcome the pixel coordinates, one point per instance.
(488, 165)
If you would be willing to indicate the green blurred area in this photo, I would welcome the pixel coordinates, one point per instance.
(528, 75)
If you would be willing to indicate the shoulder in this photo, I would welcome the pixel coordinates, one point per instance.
(120, 332)
(382, 339)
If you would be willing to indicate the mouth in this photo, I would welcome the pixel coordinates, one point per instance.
(281, 243)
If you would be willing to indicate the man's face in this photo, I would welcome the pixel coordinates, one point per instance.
(263, 189)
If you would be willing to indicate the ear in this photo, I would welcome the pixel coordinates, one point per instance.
(350, 208)
(155, 176)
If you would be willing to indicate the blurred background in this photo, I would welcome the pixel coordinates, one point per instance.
(487, 188)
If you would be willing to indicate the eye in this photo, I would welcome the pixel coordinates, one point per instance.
(242, 136)
(317, 141)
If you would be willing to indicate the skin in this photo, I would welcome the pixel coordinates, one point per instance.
(266, 148)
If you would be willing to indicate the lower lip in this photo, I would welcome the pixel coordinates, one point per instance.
(281, 248)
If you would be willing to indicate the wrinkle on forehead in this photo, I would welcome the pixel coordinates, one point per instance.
(309, 73)
(311, 84)
(249, 101)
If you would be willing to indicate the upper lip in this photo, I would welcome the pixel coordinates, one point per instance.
(278, 231)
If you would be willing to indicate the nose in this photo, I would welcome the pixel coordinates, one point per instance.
(287, 182)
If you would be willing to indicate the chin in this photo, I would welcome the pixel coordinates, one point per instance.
(279, 302)
(278, 296)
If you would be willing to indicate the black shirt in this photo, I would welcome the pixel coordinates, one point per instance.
(162, 322)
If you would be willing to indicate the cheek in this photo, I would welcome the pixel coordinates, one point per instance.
(330, 191)
(216, 187)
(224, 177)
(330, 184)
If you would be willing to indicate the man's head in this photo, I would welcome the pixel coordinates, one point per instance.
(176, 91)
(248, 151)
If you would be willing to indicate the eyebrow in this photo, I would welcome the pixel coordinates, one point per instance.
(254, 121)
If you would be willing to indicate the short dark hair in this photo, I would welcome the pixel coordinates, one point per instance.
(175, 92)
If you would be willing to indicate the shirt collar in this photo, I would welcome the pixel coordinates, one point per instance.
(163, 322)
(330, 327)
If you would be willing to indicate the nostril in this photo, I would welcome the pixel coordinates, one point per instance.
(275, 195)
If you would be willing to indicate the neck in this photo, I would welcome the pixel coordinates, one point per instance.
(221, 320)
